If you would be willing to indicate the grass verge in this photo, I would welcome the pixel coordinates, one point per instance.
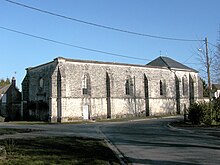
(6, 131)
(189, 124)
(57, 150)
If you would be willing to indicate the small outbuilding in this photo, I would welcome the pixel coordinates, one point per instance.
(10, 101)
(216, 88)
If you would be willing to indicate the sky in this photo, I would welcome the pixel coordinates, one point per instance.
(184, 19)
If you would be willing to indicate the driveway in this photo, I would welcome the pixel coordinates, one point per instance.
(140, 142)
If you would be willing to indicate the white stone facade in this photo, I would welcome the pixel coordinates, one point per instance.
(77, 89)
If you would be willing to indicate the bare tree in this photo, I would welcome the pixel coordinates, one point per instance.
(216, 70)
(217, 60)
(207, 58)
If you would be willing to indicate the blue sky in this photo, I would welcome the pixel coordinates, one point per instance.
(188, 19)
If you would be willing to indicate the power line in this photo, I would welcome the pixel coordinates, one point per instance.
(193, 53)
(71, 45)
(75, 46)
(102, 26)
(214, 45)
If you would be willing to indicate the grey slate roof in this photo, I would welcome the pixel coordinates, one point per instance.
(160, 62)
(169, 63)
(216, 86)
(3, 89)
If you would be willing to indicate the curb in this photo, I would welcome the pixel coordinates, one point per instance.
(178, 129)
(116, 151)
(154, 118)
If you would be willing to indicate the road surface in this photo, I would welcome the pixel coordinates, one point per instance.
(153, 142)
(141, 142)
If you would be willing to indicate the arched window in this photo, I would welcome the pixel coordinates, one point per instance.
(128, 86)
(146, 87)
(146, 93)
(41, 83)
(185, 85)
(85, 84)
(191, 89)
(108, 85)
(108, 95)
(162, 88)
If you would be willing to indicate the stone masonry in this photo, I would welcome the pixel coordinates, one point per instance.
(66, 89)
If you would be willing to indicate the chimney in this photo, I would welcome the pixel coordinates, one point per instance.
(13, 81)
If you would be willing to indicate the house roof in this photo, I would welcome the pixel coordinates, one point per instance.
(216, 86)
(3, 89)
(169, 63)
(160, 63)
(93, 62)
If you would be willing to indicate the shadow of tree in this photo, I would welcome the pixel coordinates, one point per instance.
(156, 162)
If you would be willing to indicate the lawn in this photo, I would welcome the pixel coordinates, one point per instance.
(57, 150)
(4, 131)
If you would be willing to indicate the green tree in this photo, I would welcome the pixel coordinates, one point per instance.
(205, 89)
(4, 82)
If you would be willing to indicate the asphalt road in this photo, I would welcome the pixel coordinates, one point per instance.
(153, 142)
(140, 142)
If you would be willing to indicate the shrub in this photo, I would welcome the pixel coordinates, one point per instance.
(195, 113)
(216, 110)
(199, 112)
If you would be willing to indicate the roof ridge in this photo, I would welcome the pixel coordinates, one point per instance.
(169, 63)
(165, 62)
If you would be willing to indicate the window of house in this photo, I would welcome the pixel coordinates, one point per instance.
(184, 85)
(162, 88)
(41, 83)
(108, 86)
(4, 98)
(85, 82)
(129, 86)
(146, 86)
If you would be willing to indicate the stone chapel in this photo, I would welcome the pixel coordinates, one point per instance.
(65, 90)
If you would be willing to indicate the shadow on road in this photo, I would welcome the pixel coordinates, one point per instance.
(156, 162)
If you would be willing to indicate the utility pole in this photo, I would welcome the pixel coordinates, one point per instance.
(208, 73)
(208, 67)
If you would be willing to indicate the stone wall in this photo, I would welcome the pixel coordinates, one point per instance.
(73, 99)
(36, 92)
(64, 80)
